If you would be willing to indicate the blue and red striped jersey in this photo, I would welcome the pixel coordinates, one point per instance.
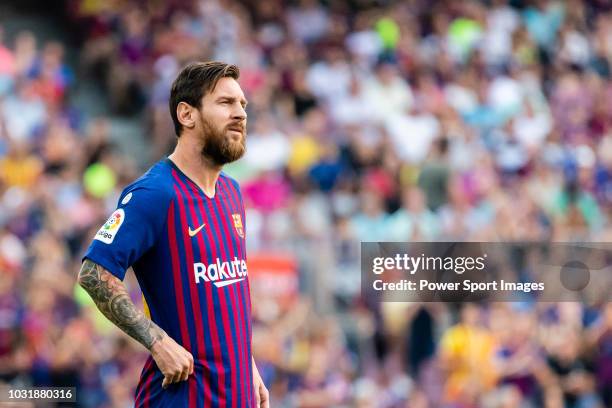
(188, 254)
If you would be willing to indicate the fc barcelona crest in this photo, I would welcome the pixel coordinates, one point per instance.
(238, 225)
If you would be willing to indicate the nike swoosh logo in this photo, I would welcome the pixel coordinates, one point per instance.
(195, 231)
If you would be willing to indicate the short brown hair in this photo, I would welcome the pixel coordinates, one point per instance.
(195, 81)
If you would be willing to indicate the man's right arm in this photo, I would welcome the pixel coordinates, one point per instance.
(113, 300)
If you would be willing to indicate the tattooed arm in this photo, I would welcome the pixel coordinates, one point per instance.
(113, 300)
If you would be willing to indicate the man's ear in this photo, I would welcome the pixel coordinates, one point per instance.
(186, 115)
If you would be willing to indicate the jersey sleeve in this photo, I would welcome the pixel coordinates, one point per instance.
(241, 208)
(131, 230)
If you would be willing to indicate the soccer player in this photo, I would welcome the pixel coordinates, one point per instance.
(181, 227)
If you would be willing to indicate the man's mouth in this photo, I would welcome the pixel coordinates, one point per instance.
(236, 129)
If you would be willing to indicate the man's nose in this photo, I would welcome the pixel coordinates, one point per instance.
(239, 113)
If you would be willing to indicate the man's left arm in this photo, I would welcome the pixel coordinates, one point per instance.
(262, 395)
(261, 392)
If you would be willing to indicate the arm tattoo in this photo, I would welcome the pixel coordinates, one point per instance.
(113, 300)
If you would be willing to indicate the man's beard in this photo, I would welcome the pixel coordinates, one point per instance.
(219, 146)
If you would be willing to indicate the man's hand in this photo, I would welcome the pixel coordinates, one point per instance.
(175, 363)
(261, 392)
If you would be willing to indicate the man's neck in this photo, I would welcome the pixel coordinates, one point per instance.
(187, 156)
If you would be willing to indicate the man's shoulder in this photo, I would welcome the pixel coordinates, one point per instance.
(233, 182)
(156, 184)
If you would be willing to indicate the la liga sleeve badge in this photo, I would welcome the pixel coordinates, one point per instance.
(108, 231)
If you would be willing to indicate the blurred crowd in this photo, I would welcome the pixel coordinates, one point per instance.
(416, 120)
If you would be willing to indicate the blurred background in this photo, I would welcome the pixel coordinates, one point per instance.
(368, 121)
